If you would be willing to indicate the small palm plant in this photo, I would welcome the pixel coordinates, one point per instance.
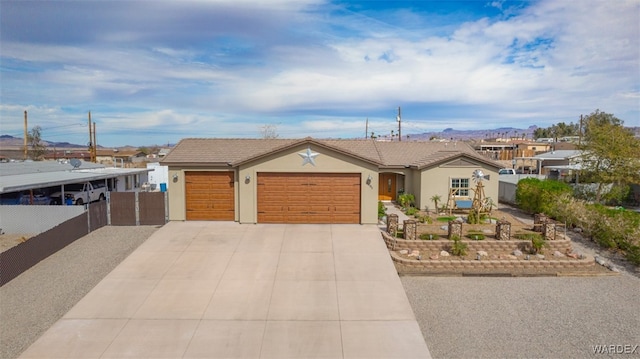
(436, 199)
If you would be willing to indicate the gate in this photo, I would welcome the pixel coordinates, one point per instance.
(138, 208)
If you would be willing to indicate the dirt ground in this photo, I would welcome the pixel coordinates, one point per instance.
(8, 241)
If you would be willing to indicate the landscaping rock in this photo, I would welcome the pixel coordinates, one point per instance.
(444, 228)
(539, 256)
(511, 257)
(517, 253)
(574, 255)
(404, 252)
(414, 253)
(558, 254)
(577, 230)
(482, 253)
(435, 256)
(444, 254)
(600, 261)
(613, 268)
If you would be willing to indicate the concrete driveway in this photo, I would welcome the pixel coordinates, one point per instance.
(225, 290)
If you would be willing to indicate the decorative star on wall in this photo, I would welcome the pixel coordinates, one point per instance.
(308, 157)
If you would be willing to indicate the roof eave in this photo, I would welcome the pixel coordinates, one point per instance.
(307, 140)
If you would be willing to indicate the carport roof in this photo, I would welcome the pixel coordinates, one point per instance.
(29, 177)
(232, 152)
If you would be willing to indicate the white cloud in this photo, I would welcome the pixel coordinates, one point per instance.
(546, 62)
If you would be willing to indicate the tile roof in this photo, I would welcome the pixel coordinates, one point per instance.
(232, 152)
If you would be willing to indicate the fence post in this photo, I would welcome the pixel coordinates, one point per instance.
(392, 224)
(503, 230)
(166, 208)
(137, 201)
(455, 229)
(410, 229)
(108, 208)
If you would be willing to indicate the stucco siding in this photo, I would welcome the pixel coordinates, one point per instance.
(436, 181)
(326, 161)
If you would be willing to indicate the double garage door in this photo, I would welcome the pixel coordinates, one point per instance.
(308, 197)
(282, 197)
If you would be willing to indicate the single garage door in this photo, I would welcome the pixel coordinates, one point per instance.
(309, 197)
(209, 196)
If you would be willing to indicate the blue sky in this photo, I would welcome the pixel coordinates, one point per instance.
(153, 72)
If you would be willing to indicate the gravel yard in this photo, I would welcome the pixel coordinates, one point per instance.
(543, 317)
(36, 299)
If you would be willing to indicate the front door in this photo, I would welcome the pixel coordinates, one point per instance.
(387, 187)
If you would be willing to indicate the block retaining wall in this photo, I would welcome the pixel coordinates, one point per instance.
(396, 244)
(494, 263)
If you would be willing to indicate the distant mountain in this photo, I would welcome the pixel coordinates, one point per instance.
(464, 135)
(10, 141)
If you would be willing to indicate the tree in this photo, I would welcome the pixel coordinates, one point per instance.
(269, 131)
(560, 129)
(37, 149)
(611, 153)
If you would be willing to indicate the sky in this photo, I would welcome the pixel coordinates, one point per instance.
(154, 72)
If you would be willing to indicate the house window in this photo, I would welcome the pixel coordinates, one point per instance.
(136, 181)
(127, 183)
(462, 185)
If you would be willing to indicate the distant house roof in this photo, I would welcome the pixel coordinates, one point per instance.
(558, 155)
(234, 152)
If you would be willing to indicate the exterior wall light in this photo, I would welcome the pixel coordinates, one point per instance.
(247, 179)
(369, 179)
(175, 177)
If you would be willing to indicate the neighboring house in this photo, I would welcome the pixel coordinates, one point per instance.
(314, 181)
(157, 176)
(557, 164)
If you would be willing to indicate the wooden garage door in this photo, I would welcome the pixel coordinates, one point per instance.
(309, 197)
(209, 196)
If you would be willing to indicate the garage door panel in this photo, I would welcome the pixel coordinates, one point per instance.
(308, 198)
(209, 195)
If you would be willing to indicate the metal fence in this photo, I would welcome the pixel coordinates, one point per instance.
(122, 208)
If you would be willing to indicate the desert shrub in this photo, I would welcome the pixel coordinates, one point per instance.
(406, 200)
(446, 218)
(538, 196)
(527, 236)
(613, 228)
(476, 235)
(633, 254)
(426, 219)
(382, 210)
(429, 236)
(473, 218)
(410, 211)
(537, 244)
(458, 248)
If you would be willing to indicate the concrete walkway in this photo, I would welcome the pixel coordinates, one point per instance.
(225, 290)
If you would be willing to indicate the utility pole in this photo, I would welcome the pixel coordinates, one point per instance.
(25, 134)
(366, 129)
(94, 153)
(580, 133)
(92, 145)
(399, 119)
